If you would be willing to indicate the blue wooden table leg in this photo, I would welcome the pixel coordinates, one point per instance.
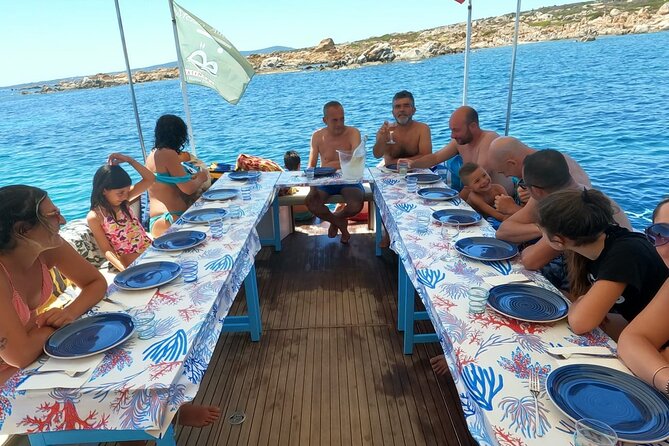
(401, 289)
(409, 307)
(379, 230)
(277, 223)
(253, 304)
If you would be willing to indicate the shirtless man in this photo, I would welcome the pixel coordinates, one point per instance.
(410, 139)
(471, 142)
(324, 144)
(506, 156)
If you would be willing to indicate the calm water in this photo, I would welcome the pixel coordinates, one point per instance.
(606, 103)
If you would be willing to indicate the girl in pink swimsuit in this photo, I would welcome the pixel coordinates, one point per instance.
(117, 231)
(29, 247)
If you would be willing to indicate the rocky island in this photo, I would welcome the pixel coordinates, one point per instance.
(580, 21)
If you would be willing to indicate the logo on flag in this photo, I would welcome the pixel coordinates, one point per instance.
(209, 58)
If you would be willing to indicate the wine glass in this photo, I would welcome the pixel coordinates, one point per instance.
(391, 126)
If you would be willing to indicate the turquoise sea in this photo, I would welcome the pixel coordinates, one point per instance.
(606, 103)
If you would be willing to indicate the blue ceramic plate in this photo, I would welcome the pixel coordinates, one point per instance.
(89, 336)
(393, 167)
(527, 303)
(203, 216)
(485, 248)
(222, 167)
(220, 194)
(463, 217)
(244, 175)
(437, 193)
(178, 241)
(147, 275)
(636, 411)
(324, 171)
(425, 178)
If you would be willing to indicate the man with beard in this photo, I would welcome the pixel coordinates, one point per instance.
(471, 142)
(404, 138)
(324, 143)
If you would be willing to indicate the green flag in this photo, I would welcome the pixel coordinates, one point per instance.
(209, 58)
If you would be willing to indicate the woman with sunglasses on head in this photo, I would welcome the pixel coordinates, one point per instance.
(29, 247)
(642, 345)
(610, 269)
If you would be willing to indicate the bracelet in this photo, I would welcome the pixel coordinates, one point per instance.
(655, 374)
(666, 388)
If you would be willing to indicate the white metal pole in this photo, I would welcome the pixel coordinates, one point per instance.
(513, 70)
(182, 78)
(132, 87)
(467, 45)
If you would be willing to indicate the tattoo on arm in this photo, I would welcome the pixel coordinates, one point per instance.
(3, 343)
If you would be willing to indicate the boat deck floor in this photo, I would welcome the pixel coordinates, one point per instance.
(329, 368)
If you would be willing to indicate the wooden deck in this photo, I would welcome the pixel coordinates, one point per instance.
(329, 368)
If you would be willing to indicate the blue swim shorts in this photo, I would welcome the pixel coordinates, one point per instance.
(335, 189)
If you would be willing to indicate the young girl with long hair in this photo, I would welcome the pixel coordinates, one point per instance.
(117, 231)
(610, 268)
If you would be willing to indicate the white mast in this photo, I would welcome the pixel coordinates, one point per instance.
(182, 78)
(467, 45)
(132, 87)
(513, 69)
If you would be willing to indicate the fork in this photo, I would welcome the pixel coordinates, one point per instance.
(535, 388)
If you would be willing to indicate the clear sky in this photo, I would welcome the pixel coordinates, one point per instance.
(50, 39)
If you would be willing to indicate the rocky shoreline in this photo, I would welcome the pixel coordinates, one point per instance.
(579, 21)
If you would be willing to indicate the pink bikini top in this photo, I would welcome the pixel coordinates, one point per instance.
(20, 305)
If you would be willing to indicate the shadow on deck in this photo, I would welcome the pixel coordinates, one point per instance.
(329, 368)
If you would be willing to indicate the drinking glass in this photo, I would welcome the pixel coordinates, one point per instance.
(235, 211)
(443, 174)
(591, 432)
(391, 130)
(310, 172)
(402, 166)
(412, 184)
(217, 227)
(450, 230)
(423, 221)
(189, 270)
(144, 325)
(246, 192)
(477, 299)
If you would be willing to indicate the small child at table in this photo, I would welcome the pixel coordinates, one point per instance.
(483, 191)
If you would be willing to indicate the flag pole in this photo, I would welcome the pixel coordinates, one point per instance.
(132, 87)
(513, 70)
(467, 45)
(182, 78)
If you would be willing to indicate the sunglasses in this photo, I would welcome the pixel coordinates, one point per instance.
(658, 234)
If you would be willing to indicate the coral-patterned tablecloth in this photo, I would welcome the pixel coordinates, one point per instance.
(489, 356)
(296, 178)
(140, 384)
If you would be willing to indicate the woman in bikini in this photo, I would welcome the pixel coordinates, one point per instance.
(174, 189)
(29, 247)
